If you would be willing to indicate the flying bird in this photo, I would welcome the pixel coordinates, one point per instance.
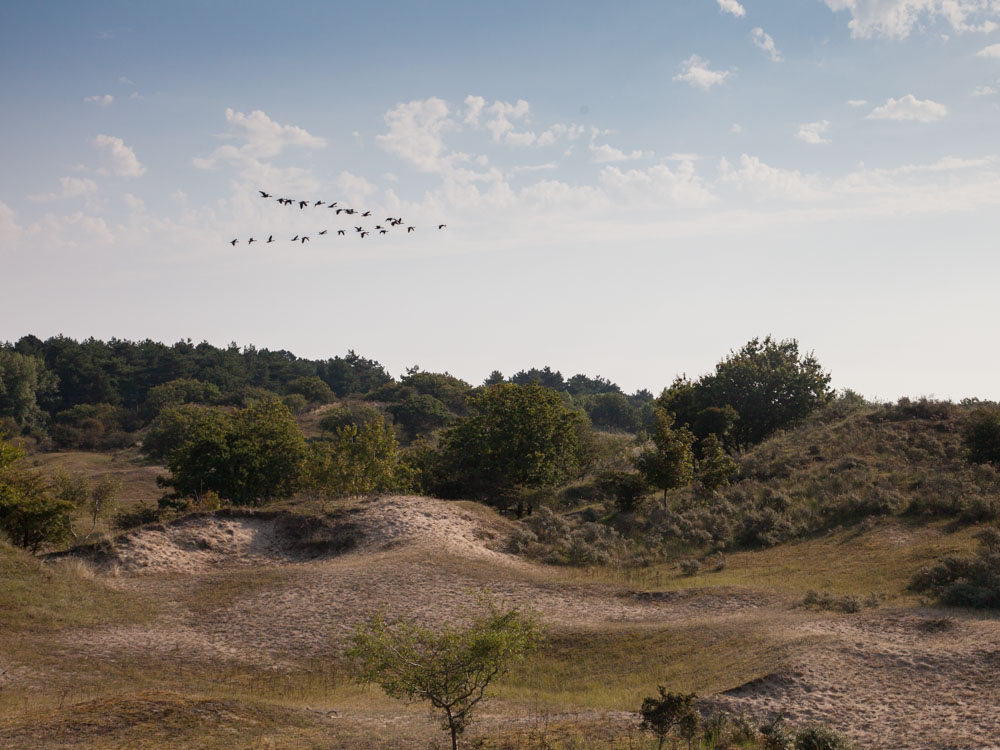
(333, 205)
(303, 204)
(359, 229)
(251, 241)
(442, 226)
(304, 240)
(324, 231)
(318, 203)
(340, 232)
(367, 213)
(263, 194)
(270, 238)
(410, 229)
(233, 243)
(383, 231)
(363, 234)
(295, 238)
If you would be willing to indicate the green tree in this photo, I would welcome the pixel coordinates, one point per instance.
(669, 463)
(661, 715)
(313, 388)
(981, 435)
(514, 436)
(249, 456)
(420, 414)
(451, 668)
(96, 500)
(180, 391)
(715, 468)
(359, 459)
(29, 515)
(23, 380)
(767, 384)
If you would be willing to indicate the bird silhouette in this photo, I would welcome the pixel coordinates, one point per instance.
(295, 238)
(442, 226)
(363, 235)
(359, 229)
(383, 231)
(410, 229)
(333, 205)
(251, 241)
(324, 231)
(263, 194)
(303, 204)
(233, 243)
(340, 232)
(270, 238)
(318, 203)
(304, 240)
(367, 213)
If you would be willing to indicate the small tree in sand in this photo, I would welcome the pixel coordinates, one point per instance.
(450, 668)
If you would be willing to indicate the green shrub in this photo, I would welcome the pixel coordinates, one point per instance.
(981, 435)
(818, 737)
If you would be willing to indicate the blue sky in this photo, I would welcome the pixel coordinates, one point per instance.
(630, 190)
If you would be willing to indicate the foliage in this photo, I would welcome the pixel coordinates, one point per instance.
(966, 581)
(96, 500)
(295, 402)
(180, 391)
(981, 435)
(818, 737)
(669, 712)
(613, 411)
(514, 436)
(358, 459)
(715, 469)
(23, 380)
(313, 388)
(420, 414)
(90, 427)
(767, 384)
(29, 515)
(626, 487)
(353, 413)
(669, 463)
(451, 668)
(248, 456)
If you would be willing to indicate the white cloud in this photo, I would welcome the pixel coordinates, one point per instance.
(984, 91)
(658, 183)
(263, 138)
(762, 180)
(126, 81)
(415, 134)
(909, 108)
(69, 187)
(123, 161)
(736, 128)
(355, 187)
(605, 153)
(897, 18)
(992, 51)
(857, 102)
(104, 100)
(474, 106)
(763, 40)
(696, 72)
(813, 132)
(733, 7)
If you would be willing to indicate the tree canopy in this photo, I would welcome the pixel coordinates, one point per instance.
(765, 386)
(514, 436)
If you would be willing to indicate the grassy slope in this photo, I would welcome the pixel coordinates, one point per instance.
(607, 669)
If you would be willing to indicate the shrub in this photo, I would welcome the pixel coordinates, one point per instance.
(981, 435)
(690, 566)
(819, 737)
(668, 713)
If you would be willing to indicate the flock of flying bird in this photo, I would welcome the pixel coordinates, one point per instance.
(390, 221)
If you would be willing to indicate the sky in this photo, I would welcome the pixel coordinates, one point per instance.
(630, 190)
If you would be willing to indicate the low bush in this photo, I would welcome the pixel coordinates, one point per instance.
(966, 581)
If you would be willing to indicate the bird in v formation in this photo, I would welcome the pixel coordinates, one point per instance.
(382, 230)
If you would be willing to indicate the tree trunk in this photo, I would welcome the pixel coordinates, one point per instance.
(454, 738)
